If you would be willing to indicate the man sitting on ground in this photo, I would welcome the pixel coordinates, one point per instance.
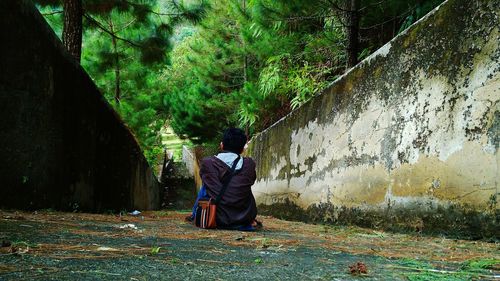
(237, 209)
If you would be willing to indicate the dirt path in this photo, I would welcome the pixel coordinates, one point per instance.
(161, 246)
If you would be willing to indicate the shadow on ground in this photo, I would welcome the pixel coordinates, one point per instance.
(49, 245)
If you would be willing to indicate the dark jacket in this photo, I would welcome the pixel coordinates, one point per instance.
(237, 206)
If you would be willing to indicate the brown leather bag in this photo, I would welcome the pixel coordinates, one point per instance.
(206, 211)
(206, 214)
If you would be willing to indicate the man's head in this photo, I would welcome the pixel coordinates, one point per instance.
(234, 140)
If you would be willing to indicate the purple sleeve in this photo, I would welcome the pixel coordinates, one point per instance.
(210, 177)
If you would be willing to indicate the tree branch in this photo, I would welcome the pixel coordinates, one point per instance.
(389, 20)
(100, 26)
(371, 5)
(52, 13)
(126, 25)
(157, 13)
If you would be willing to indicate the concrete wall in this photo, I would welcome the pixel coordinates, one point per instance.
(408, 138)
(188, 159)
(61, 145)
(192, 163)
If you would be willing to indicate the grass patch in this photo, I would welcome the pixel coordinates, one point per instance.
(470, 270)
(480, 265)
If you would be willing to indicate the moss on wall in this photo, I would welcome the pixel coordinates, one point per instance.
(452, 221)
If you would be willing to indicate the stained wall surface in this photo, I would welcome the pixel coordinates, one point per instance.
(61, 145)
(409, 136)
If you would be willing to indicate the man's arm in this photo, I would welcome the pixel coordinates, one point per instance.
(210, 178)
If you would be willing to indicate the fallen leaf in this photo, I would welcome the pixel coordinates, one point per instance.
(358, 268)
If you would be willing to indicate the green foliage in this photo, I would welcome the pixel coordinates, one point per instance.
(140, 103)
(236, 73)
(248, 63)
(240, 63)
(125, 45)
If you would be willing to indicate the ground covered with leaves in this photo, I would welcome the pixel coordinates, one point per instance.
(48, 245)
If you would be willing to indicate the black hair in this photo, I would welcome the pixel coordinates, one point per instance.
(234, 140)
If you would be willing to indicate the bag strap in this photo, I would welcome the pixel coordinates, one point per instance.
(226, 183)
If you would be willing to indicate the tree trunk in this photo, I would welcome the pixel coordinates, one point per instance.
(117, 73)
(72, 30)
(245, 58)
(117, 63)
(352, 17)
(245, 65)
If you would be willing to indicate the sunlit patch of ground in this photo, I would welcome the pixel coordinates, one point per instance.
(162, 246)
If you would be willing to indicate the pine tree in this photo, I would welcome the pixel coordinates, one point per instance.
(124, 47)
(74, 11)
(250, 62)
(245, 63)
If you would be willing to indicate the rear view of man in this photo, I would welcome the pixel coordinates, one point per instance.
(236, 209)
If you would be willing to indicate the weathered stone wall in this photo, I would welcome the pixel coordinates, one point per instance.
(180, 188)
(192, 163)
(408, 138)
(188, 159)
(61, 145)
